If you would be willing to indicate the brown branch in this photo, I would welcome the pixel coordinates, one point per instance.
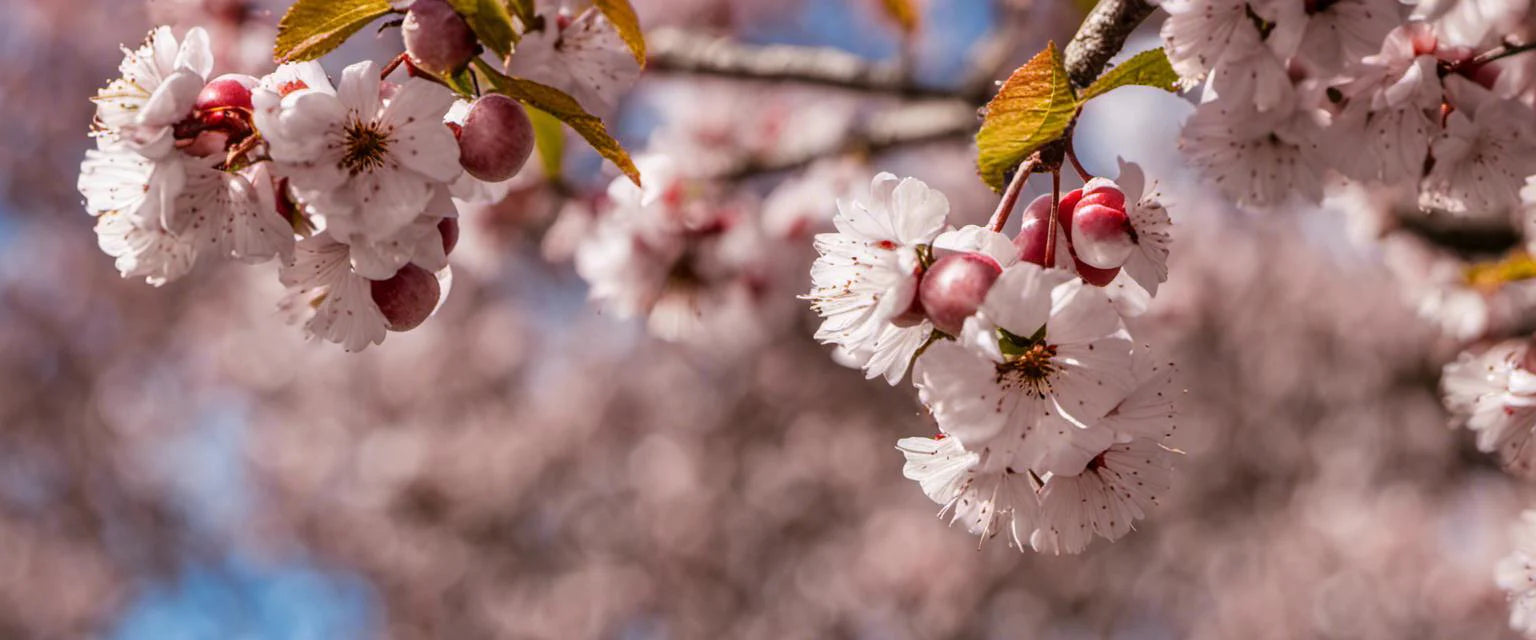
(1102, 36)
(912, 124)
(677, 51)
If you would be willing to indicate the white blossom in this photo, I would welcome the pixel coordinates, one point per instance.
(979, 489)
(1115, 489)
(1482, 157)
(1042, 361)
(1516, 574)
(369, 167)
(583, 57)
(1494, 393)
(159, 85)
(1259, 159)
(334, 302)
(869, 270)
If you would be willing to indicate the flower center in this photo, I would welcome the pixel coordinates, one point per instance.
(366, 147)
(1028, 367)
(1034, 363)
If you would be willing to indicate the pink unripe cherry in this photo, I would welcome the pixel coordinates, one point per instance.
(229, 91)
(407, 298)
(495, 139)
(954, 287)
(1090, 274)
(436, 37)
(1033, 229)
(1101, 232)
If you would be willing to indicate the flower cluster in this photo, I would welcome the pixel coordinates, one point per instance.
(1051, 419)
(1297, 93)
(353, 186)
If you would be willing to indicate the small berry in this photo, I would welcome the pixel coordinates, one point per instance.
(1032, 229)
(229, 91)
(1101, 233)
(495, 139)
(436, 37)
(1089, 273)
(955, 286)
(407, 298)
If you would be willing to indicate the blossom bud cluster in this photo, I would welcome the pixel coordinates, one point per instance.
(1419, 99)
(1052, 422)
(352, 186)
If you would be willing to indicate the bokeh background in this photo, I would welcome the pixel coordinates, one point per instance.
(180, 463)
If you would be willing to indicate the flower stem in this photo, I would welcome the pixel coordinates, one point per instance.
(1081, 172)
(1050, 225)
(1506, 50)
(1011, 195)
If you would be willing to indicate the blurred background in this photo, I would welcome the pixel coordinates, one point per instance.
(180, 463)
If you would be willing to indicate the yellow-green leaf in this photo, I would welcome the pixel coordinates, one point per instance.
(565, 109)
(622, 15)
(1033, 107)
(312, 28)
(1149, 69)
(549, 139)
(491, 20)
(903, 12)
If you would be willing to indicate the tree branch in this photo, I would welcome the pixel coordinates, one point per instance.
(1102, 36)
(673, 50)
(911, 124)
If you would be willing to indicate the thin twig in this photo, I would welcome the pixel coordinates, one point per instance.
(674, 50)
(1010, 199)
(1081, 172)
(1101, 36)
(1050, 225)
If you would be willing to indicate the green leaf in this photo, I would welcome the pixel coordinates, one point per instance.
(1033, 107)
(565, 109)
(462, 83)
(523, 9)
(903, 12)
(624, 20)
(312, 28)
(491, 20)
(1149, 69)
(549, 139)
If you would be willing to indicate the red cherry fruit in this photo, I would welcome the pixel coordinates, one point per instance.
(1101, 232)
(496, 138)
(407, 298)
(436, 37)
(1089, 273)
(1032, 230)
(229, 91)
(954, 287)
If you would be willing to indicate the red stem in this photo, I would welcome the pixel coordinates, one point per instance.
(1050, 225)
(1081, 172)
(1011, 196)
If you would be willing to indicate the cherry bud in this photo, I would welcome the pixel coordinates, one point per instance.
(229, 91)
(407, 298)
(1101, 231)
(495, 139)
(955, 286)
(1033, 229)
(1064, 215)
(436, 37)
